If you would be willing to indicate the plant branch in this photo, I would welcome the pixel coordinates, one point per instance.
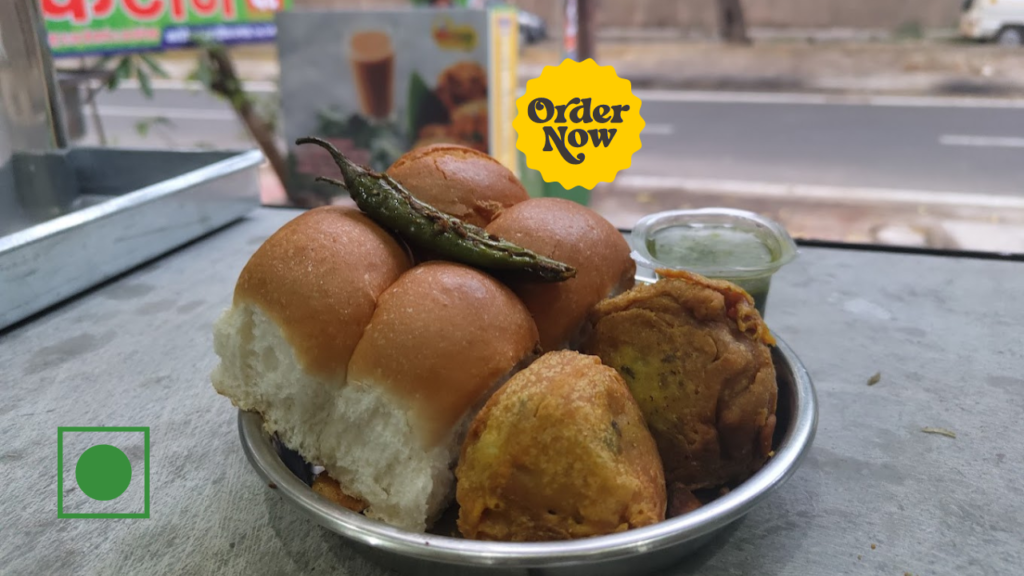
(224, 81)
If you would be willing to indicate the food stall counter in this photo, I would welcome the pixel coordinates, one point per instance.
(915, 467)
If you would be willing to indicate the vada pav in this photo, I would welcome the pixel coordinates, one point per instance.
(561, 451)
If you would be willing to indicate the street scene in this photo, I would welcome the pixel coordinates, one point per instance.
(848, 130)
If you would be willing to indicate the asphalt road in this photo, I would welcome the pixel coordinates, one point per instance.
(908, 144)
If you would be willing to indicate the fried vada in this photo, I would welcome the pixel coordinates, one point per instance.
(695, 353)
(561, 451)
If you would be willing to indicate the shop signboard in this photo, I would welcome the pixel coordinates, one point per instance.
(90, 27)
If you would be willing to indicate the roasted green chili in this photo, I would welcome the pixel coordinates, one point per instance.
(389, 204)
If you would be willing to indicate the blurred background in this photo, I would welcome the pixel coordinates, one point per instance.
(878, 122)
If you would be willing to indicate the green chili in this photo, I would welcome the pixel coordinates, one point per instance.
(392, 206)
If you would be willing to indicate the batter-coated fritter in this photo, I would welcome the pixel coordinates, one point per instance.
(329, 488)
(561, 451)
(695, 353)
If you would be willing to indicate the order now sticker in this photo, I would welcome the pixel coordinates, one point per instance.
(578, 124)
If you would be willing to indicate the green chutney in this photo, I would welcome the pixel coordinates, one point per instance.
(702, 247)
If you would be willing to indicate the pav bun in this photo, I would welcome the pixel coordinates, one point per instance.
(572, 233)
(365, 365)
(459, 181)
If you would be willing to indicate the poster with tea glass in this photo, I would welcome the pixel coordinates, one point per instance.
(379, 83)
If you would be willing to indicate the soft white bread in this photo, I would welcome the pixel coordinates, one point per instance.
(300, 306)
(364, 366)
(443, 337)
(572, 233)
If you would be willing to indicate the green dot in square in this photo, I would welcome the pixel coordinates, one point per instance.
(103, 472)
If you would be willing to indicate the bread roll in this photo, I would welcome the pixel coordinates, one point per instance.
(574, 234)
(317, 279)
(459, 181)
(442, 338)
(364, 365)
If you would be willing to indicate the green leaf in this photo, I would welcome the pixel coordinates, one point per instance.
(144, 83)
(125, 68)
(424, 107)
(202, 73)
(121, 71)
(142, 127)
(154, 66)
(102, 63)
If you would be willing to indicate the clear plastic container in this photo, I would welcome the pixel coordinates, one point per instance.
(735, 245)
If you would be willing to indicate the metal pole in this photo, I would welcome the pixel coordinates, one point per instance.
(45, 61)
(585, 26)
(570, 29)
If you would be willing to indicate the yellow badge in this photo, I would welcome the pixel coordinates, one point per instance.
(578, 124)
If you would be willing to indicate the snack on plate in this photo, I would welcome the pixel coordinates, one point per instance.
(439, 139)
(695, 353)
(574, 234)
(460, 83)
(470, 124)
(459, 181)
(363, 365)
(561, 451)
(305, 293)
(395, 373)
(433, 131)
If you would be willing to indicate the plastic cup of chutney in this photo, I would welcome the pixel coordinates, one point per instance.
(742, 247)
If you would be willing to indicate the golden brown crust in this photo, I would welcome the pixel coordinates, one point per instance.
(739, 304)
(459, 181)
(441, 336)
(574, 234)
(329, 488)
(560, 451)
(318, 279)
(694, 354)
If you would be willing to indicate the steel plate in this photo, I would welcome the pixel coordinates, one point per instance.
(634, 552)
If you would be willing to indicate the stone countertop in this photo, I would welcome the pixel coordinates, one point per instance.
(876, 495)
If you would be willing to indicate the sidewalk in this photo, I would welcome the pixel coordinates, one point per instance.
(850, 67)
(919, 67)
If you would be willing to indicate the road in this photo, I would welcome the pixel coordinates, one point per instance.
(921, 144)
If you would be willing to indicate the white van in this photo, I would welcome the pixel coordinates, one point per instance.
(998, 20)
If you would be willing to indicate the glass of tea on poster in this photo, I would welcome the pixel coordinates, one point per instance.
(371, 56)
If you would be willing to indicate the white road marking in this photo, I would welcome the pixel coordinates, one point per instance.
(255, 86)
(266, 86)
(169, 113)
(658, 130)
(794, 191)
(981, 141)
(825, 99)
